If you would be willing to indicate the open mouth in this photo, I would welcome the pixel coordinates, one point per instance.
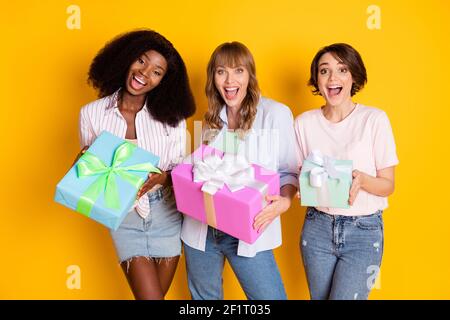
(137, 83)
(231, 92)
(334, 90)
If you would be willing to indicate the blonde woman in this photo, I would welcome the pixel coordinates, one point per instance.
(266, 137)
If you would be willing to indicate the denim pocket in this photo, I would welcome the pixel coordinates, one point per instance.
(310, 213)
(168, 195)
(373, 222)
(132, 220)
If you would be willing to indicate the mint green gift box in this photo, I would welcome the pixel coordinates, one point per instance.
(334, 177)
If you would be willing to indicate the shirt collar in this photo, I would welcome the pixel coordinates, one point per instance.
(223, 115)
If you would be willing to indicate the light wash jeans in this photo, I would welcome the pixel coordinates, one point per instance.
(341, 254)
(156, 236)
(259, 276)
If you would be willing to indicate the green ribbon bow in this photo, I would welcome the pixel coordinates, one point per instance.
(106, 182)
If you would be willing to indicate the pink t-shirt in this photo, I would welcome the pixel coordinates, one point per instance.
(364, 136)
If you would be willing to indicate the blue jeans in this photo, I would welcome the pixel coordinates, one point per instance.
(259, 275)
(341, 254)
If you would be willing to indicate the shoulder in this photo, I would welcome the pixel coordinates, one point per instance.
(369, 110)
(181, 125)
(275, 109)
(307, 116)
(371, 114)
(96, 106)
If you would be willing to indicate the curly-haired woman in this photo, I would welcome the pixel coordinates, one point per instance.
(266, 137)
(145, 98)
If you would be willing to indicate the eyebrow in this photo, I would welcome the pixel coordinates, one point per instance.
(158, 66)
(235, 67)
(326, 63)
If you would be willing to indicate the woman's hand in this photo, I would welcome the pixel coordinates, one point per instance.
(278, 205)
(154, 179)
(382, 185)
(357, 183)
(80, 154)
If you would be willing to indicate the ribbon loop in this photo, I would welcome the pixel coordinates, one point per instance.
(106, 182)
(231, 170)
(325, 168)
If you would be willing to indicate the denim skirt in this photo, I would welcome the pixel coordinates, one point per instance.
(156, 236)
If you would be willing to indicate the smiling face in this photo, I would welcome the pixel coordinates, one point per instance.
(232, 83)
(334, 80)
(146, 73)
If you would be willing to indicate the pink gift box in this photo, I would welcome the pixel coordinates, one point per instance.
(233, 212)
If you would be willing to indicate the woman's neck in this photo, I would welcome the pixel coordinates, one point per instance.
(233, 115)
(131, 103)
(338, 113)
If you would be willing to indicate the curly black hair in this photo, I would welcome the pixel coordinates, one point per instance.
(171, 101)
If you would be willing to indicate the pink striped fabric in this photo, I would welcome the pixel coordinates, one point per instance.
(167, 142)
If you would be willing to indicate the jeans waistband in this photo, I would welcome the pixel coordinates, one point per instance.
(216, 233)
(342, 217)
(158, 194)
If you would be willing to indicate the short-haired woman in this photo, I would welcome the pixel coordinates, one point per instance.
(342, 248)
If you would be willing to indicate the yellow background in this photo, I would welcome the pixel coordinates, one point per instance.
(43, 85)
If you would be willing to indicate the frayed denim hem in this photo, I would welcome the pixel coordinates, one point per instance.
(158, 260)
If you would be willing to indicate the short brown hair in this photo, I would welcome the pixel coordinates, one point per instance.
(347, 55)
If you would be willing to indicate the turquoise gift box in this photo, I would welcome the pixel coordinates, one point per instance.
(104, 182)
(325, 182)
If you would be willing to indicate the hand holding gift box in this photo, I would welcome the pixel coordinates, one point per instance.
(106, 193)
(224, 191)
(325, 182)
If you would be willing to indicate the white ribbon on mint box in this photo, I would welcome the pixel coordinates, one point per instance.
(326, 167)
(318, 176)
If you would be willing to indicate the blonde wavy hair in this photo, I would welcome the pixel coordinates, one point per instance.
(231, 54)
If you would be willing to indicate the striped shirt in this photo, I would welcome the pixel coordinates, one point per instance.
(168, 143)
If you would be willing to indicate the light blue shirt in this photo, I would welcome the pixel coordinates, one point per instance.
(271, 144)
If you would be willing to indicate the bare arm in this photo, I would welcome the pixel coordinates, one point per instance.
(382, 185)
